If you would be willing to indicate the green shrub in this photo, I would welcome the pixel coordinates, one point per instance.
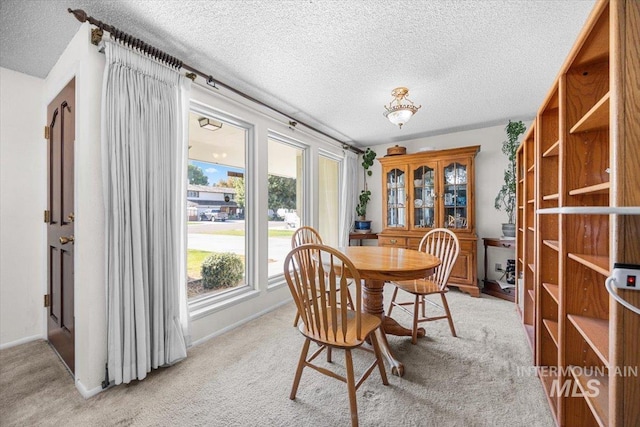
(221, 270)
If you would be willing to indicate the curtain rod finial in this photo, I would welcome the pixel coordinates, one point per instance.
(80, 14)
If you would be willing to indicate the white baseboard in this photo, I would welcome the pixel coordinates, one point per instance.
(21, 341)
(240, 323)
(87, 393)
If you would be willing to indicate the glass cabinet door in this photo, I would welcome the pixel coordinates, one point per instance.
(454, 197)
(424, 196)
(396, 198)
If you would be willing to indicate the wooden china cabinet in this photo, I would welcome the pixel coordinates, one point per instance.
(428, 190)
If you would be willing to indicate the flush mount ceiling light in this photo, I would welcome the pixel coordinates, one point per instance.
(207, 123)
(401, 108)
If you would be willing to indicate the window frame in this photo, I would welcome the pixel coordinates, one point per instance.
(207, 304)
(278, 281)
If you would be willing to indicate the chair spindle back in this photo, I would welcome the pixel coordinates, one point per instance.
(304, 235)
(317, 276)
(444, 244)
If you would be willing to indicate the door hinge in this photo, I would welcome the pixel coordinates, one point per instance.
(47, 216)
(47, 132)
(47, 300)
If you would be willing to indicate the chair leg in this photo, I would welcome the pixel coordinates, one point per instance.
(329, 354)
(351, 387)
(378, 353)
(393, 300)
(297, 319)
(449, 318)
(301, 362)
(424, 310)
(416, 308)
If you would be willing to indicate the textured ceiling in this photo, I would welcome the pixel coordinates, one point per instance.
(332, 64)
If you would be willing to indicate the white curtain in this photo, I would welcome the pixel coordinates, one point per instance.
(143, 148)
(349, 195)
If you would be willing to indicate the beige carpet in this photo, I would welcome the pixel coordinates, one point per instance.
(243, 378)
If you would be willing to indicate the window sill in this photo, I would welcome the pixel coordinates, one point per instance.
(276, 282)
(215, 303)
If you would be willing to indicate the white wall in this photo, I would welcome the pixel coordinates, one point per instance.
(83, 61)
(489, 167)
(22, 202)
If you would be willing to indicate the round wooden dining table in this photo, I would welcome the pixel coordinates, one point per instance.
(380, 264)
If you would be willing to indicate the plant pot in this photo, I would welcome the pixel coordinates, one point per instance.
(362, 226)
(509, 230)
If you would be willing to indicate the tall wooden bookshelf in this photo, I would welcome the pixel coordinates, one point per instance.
(525, 229)
(586, 151)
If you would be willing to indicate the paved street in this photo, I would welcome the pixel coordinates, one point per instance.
(198, 238)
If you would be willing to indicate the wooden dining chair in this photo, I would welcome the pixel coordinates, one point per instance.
(317, 277)
(306, 234)
(443, 244)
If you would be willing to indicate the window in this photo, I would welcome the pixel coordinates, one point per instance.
(216, 228)
(329, 198)
(285, 202)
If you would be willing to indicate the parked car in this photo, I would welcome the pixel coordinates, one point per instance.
(219, 216)
(214, 216)
(292, 220)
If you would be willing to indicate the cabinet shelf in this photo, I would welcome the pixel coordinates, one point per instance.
(530, 333)
(551, 197)
(602, 188)
(598, 400)
(552, 327)
(597, 118)
(552, 151)
(553, 244)
(597, 263)
(549, 382)
(532, 267)
(531, 168)
(531, 229)
(553, 290)
(532, 294)
(595, 332)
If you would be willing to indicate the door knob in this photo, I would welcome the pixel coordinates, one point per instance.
(71, 217)
(65, 240)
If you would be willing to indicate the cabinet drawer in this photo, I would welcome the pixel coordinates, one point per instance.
(414, 242)
(399, 242)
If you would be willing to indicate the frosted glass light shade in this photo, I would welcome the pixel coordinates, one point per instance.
(399, 117)
(401, 108)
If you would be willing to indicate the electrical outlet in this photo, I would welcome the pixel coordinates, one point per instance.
(498, 266)
(626, 276)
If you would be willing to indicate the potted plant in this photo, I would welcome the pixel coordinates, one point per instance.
(362, 225)
(506, 198)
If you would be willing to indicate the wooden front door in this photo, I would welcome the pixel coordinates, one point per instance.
(59, 218)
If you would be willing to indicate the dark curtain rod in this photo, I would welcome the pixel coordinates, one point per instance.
(172, 61)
